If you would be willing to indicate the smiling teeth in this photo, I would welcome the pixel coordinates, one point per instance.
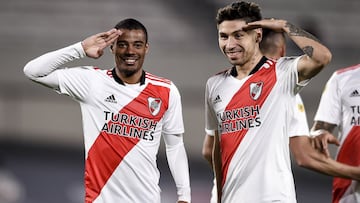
(130, 60)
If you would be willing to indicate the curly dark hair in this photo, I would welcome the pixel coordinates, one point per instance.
(243, 10)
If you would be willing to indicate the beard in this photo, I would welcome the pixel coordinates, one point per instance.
(129, 72)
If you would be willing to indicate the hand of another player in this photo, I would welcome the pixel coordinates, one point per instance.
(277, 25)
(321, 141)
(94, 45)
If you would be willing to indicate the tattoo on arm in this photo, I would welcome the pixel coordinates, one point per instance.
(296, 31)
(308, 50)
(324, 125)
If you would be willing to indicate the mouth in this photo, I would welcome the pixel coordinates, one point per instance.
(129, 60)
(233, 53)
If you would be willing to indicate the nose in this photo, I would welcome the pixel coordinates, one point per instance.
(230, 43)
(130, 49)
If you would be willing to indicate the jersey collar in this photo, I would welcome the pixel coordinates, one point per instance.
(234, 73)
(118, 80)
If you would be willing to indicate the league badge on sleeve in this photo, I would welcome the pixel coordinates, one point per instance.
(255, 90)
(154, 105)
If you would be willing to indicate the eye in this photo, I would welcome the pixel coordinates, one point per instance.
(238, 35)
(223, 37)
(138, 45)
(121, 44)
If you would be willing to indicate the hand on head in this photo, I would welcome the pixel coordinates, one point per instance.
(94, 45)
(274, 24)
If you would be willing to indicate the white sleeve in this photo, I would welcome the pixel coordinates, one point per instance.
(42, 69)
(173, 118)
(298, 125)
(329, 109)
(210, 118)
(178, 164)
(288, 67)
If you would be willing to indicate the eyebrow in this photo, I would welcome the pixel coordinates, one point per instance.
(138, 41)
(236, 31)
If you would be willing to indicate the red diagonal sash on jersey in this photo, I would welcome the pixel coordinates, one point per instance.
(243, 98)
(108, 150)
(349, 154)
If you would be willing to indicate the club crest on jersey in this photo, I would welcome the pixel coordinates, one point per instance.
(255, 90)
(154, 105)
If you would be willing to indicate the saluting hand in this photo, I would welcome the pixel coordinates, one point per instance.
(276, 25)
(94, 45)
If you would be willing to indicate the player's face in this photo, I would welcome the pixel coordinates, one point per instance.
(130, 50)
(236, 44)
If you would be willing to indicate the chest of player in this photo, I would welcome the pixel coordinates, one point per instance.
(146, 101)
(234, 99)
(351, 105)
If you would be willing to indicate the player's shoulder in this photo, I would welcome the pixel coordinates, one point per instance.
(287, 59)
(348, 70)
(221, 74)
(218, 77)
(157, 79)
(96, 71)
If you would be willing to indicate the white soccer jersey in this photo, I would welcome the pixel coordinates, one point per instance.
(299, 125)
(253, 118)
(340, 105)
(122, 126)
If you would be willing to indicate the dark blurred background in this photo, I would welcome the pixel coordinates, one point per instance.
(41, 143)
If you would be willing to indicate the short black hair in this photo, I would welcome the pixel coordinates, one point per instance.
(247, 11)
(132, 24)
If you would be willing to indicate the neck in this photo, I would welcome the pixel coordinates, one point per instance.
(132, 78)
(245, 69)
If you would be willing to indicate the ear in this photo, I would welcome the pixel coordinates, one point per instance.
(258, 35)
(112, 48)
(147, 47)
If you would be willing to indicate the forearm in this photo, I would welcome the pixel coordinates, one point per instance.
(217, 165)
(178, 164)
(41, 67)
(207, 149)
(308, 157)
(316, 55)
(329, 166)
(307, 42)
(320, 125)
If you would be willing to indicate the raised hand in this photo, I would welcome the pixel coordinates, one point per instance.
(321, 141)
(94, 45)
(277, 25)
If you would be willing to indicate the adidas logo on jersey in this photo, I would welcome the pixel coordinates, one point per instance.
(111, 99)
(355, 93)
(217, 99)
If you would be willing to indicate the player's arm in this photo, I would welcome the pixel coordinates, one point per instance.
(322, 135)
(207, 149)
(41, 69)
(178, 164)
(316, 55)
(308, 157)
(217, 164)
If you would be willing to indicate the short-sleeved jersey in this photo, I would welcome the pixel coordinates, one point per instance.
(299, 125)
(253, 116)
(340, 105)
(122, 127)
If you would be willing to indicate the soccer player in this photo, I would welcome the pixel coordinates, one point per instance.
(273, 45)
(249, 105)
(125, 110)
(340, 107)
